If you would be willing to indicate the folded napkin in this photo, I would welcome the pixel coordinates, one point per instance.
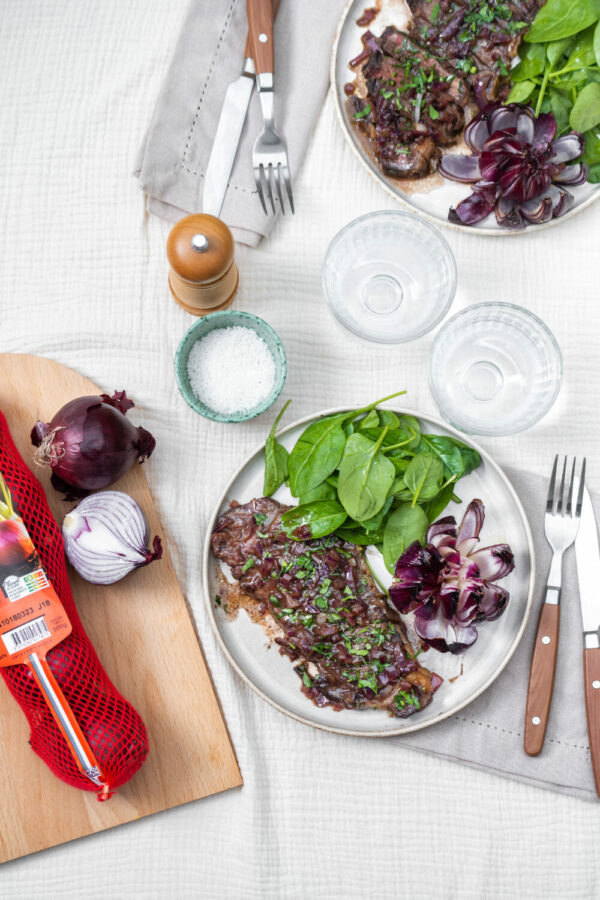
(488, 734)
(209, 54)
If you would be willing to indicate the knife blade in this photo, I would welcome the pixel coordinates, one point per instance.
(228, 133)
(587, 552)
(227, 138)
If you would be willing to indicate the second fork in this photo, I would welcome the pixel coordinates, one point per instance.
(269, 154)
(561, 524)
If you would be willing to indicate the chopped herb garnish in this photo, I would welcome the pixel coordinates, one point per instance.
(249, 564)
(306, 679)
(435, 11)
(433, 113)
(363, 112)
(260, 518)
(218, 600)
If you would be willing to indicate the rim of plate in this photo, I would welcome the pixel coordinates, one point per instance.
(208, 559)
(379, 177)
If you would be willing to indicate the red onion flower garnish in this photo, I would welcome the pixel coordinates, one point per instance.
(450, 583)
(517, 168)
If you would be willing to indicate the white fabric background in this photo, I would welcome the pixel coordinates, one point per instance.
(83, 280)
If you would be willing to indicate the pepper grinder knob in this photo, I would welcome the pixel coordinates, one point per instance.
(203, 277)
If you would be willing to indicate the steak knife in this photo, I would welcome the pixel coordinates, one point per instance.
(228, 133)
(587, 553)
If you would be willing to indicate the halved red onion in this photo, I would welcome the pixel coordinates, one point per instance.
(525, 126)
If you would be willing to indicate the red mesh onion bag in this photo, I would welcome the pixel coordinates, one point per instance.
(114, 730)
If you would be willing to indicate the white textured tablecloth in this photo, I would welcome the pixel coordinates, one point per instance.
(83, 280)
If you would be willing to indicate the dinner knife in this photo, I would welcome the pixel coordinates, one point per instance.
(228, 133)
(587, 553)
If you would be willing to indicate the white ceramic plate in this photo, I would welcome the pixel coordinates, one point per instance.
(432, 197)
(271, 675)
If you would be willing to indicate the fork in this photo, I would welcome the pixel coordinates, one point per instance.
(561, 524)
(269, 154)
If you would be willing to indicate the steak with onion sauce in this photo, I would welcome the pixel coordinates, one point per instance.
(416, 89)
(349, 649)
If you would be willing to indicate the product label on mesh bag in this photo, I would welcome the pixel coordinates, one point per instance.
(32, 618)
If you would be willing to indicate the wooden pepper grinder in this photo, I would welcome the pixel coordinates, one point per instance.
(203, 277)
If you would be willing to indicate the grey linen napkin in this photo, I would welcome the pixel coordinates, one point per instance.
(172, 160)
(488, 734)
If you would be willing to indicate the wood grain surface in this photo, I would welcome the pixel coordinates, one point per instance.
(541, 678)
(146, 641)
(591, 679)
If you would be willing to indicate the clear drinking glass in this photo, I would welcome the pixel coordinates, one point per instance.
(494, 368)
(389, 276)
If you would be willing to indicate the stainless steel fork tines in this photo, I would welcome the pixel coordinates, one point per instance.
(269, 160)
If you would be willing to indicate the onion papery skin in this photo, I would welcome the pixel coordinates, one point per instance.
(90, 444)
(450, 583)
(515, 167)
(106, 537)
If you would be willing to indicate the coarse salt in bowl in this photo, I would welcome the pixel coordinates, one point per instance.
(230, 366)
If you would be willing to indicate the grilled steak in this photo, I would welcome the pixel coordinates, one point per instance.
(414, 105)
(418, 85)
(348, 647)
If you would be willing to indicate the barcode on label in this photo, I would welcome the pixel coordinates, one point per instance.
(25, 635)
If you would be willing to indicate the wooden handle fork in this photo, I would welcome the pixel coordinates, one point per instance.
(260, 24)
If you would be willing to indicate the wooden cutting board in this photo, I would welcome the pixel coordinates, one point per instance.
(161, 671)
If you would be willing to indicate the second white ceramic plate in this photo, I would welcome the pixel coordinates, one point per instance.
(271, 675)
(431, 197)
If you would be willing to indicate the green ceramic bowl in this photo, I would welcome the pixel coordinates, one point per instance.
(227, 319)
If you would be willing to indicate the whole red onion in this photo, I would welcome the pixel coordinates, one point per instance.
(89, 444)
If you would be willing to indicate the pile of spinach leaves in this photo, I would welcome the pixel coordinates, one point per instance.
(370, 475)
(559, 71)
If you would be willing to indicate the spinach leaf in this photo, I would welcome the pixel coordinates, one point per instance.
(360, 537)
(560, 105)
(586, 111)
(424, 476)
(533, 62)
(376, 521)
(471, 457)
(323, 491)
(555, 49)
(371, 420)
(447, 451)
(410, 426)
(387, 417)
(521, 92)
(276, 459)
(582, 53)
(400, 463)
(596, 43)
(436, 507)
(404, 526)
(366, 476)
(562, 18)
(322, 517)
(594, 174)
(317, 453)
